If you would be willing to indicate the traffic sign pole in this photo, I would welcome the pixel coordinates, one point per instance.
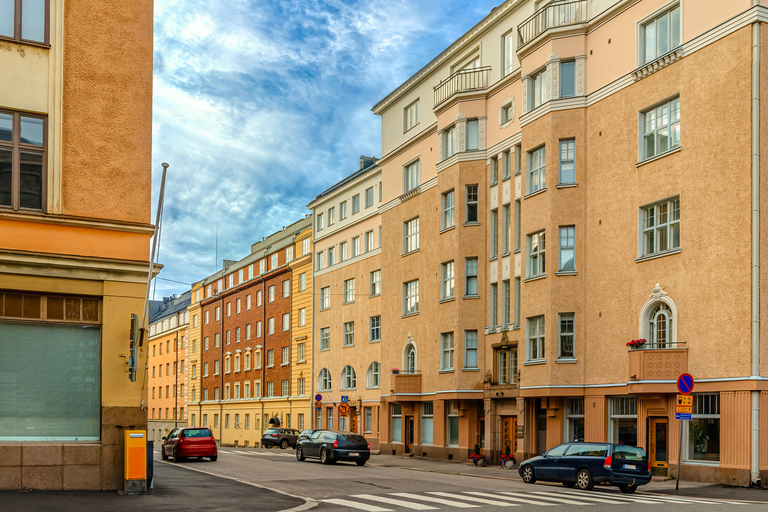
(685, 385)
(679, 460)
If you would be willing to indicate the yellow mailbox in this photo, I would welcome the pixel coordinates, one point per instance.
(135, 454)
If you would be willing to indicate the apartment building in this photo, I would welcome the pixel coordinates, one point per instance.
(550, 189)
(168, 367)
(347, 303)
(75, 191)
(253, 368)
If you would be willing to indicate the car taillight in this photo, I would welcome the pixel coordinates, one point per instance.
(649, 466)
(336, 444)
(607, 463)
(368, 445)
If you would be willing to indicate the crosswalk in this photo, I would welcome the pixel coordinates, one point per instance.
(437, 500)
(272, 453)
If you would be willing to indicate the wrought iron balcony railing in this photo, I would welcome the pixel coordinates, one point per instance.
(556, 14)
(463, 80)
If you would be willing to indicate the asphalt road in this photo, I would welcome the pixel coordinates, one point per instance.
(379, 488)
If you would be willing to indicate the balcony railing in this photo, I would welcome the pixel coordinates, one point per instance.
(463, 80)
(662, 345)
(557, 14)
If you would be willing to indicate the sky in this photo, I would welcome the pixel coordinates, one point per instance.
(260, 105)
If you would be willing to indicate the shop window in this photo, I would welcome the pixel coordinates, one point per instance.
(622, 413)
(703, 439)
(574, 420)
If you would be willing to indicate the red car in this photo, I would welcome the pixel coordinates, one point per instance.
(189, 442)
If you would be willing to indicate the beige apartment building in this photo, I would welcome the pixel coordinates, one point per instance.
(168, 367)
(347, 303)
(194, 364)
(563, 179)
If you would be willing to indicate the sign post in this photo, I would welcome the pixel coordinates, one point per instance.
(683, 412)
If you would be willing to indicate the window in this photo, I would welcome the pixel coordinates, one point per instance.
(622, 420)
(271, 294)
(567, 248)
(250, 271)
(505, 221)
(302, 317)
(325, 297)
(342, 210)
(301, 391)
(448, 139)
(270, 389)
(452, 422)
(349, 291)
(237, 335)
(568, 79)
(507, 113)
(331, 216)
(536, 254)
(410, 116)
(470, 349)
(470, 276)
(349, 334)
(426, 423)
(258, 329)
(411, 297)
(306, 241)
(331, 256)
(300, 349)
(369, 241)
(411, 176)
(493, 306)
(325, 338)
(375, 283)
(537, 93)
(368, 419)
(271, 326)
(505, 302)
(535, 338)
(410, 358)
(247, 419)
(262, 266)
(567, 334)
(494, 171)
(216, 340)
(396, 415)
(348, 378)
(410, 235)
(257, 361)
(286, 321)
(216, 367)
(355, 246)
(257, 394)
(355, 203)
(494, 234)
(343, 251)
(660, 326)
(374, 375)
(26, 22)
(506, 366)
(447, 280)
(324, 380)
(703, 431)
(660, 35)
(471, 204)
(574, 420)
(508, 52)
(375, 331)
(284, 388)
(319, 221)
(286, 288)
(536, 167)
(258, 298)
(217, 312)
(661, 227)
(302, 281)
(661, 129)
(229, 309)
(205, 369)
(446, 351)
(369, 197)
(248, 302)
(472, 142)
(568, 161)
(23, 142)
(270, 358)
(517, 225)
(247, 364)
(447, 208)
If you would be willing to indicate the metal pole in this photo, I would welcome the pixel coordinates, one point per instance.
(158, 218)
(679, 459)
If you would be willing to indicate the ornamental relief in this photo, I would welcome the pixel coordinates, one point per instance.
(580, 76)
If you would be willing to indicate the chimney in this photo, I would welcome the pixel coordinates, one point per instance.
(366, 161)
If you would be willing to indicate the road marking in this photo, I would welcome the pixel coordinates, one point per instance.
(588, 495)
(354, 504)
(392, 501)
(496, 503)
(555, 499)
(582, 497)
(433, 500)
(647, 498)
(515, 499)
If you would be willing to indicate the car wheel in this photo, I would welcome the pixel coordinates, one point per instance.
(284, 444)
(299, 454)
(360, 462)
(176, 457)
(584, 480)
(162, 453)
(325, 457)
(569, 484)
(628, 489)
(528, 476)
(213, 459)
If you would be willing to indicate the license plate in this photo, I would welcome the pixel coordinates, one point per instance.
(630, 466)
(353, 454)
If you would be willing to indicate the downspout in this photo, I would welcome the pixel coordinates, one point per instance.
(263, 349)
(755, 373)
(176, 383)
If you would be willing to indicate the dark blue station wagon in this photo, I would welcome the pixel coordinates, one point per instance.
(585, 464)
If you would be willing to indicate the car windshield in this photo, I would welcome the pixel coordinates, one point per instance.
(197, 432)
(622, 452)
(271, 431)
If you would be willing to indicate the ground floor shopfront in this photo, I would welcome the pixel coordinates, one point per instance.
(362, 417)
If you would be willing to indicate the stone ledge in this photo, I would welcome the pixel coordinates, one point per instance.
(41, 454)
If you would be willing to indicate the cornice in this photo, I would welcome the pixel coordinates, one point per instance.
(82, 222)
(372, 173)
(350, 261)
(424, 134)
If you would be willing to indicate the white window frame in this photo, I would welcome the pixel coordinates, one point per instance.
(655, 123)
(348, 378)
(446, 351)
(374, 331)
(325, 338)
(411, 297)
(565, 334)
(471, 277)
(325, 298)
(411, 175)
(654, 229)
(411, 115)
(411, 235)
(567, 164)
(448, 209)
(375, 283)
(567, 246)
(535, 338)
(447, 280)
(536, 254)
(349, 334)
(537, 168)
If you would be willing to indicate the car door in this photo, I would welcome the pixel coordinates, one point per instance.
(313, 446)
(167, 443)
(583, 455)
(548, 467)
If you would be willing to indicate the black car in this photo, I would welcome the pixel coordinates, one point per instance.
(305, 434)
(282, 437)
(585, 464)
(330, 447)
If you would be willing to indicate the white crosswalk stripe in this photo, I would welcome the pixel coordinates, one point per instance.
(582, 497)
(552, 497)
(516, 499)
(392, 501)
(354, 504)
(609, 497)
(475, 500)
(649, 498)
(432, 499)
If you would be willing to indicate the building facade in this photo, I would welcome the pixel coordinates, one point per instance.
(253, 368)
(75, 191)
(168, 367)
(347, 303)
(561, 164)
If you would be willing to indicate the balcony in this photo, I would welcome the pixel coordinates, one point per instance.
(403, 383)
(557, 14)
(658, 362)
(463, 80)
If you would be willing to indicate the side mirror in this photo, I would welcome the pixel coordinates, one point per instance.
(545, 454)
(164, 439)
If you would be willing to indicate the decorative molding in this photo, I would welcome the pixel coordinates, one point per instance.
(658, 64)
(580, 63)
(553, 76)
(342, 264)
(526, 82)
(509, 101)
(81, 222)
(481, 122)
(658, 295)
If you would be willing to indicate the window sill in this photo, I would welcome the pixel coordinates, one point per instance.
(656, 157)
(412, 127)
(374, 295)
(444, 230)
(534, 278)
(348, 346)
(493, 183)
(321, 309)
(409, 253)
(492, 258)
(348, 302)
(285, 364)
(407, 315)
(507, 178)
(566, 273)
(28, 43)
(566, 185)
(448, 299)
(517, 251)
(472, 223)
(566, 360)
(533, 362)
(470, 297)
(535, 193)
(270, 366)
(375, 341)
(447, 370)
(324, 349)
(372, 387)
(658, 255)
(505, 254)
(470, 369)
(298, 361)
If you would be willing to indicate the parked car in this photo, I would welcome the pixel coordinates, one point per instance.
(189, 442)
(282, 437)
(585, 464)
(306, 433)
(330, 447)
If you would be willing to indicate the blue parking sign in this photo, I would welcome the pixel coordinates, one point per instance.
(682, 416)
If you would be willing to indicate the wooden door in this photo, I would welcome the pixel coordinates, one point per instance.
(508, 433)
(658, 442)
(409, 431)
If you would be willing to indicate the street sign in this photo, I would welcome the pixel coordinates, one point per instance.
(685, 383)
(318, 397)
(684, 404)
(343, 409)
(682, 416)
(344, 399)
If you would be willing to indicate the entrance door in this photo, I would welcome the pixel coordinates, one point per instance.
(657, 452)
(509, 433)
(353, 419)
(541, 428)
(409, 430)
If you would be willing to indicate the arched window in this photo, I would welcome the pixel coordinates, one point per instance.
(324, 380)
(348, 378)
(659, 326)
(409, 358)
(374, 375)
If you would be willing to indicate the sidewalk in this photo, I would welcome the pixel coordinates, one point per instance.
(176, 489)
(692, 489)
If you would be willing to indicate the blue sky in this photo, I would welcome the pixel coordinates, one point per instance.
(261, 105)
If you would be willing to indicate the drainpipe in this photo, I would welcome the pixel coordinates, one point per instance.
(755, 374)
